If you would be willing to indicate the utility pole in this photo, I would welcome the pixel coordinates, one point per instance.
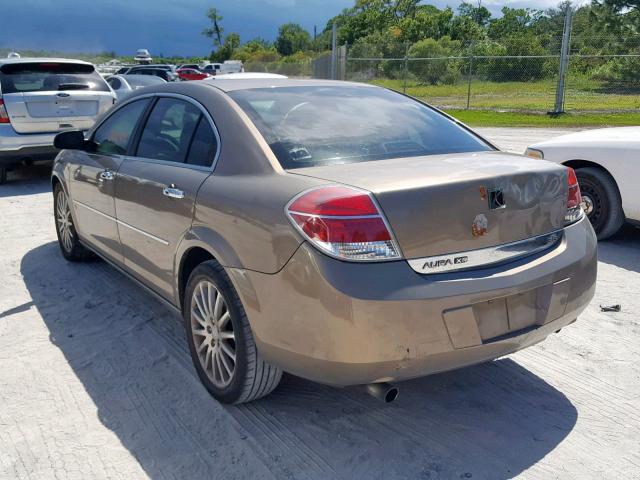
(334, 52)
(564, 60)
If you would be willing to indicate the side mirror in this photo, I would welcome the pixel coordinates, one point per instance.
(70, 140)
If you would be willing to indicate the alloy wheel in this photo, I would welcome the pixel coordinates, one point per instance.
(64, 221)
(213, 334)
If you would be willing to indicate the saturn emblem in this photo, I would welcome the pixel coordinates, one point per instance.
(480, 225)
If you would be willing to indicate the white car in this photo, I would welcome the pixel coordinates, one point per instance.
(607, 164)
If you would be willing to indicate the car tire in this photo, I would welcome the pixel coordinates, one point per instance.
(3, 175)
(216, 331)
(68, 241)
(601, 201)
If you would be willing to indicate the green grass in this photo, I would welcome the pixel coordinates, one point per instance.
(489, 118)
(582, 94)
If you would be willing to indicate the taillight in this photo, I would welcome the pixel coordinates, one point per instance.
(574, 199)
(4, 116)
(343, 222)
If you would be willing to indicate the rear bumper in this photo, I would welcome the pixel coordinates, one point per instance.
(16, 147)
(346, 323)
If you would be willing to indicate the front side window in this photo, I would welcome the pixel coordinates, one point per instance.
(169, 130)
(324, 125)
(112, 137)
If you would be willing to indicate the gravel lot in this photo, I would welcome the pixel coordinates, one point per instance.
(96, 382)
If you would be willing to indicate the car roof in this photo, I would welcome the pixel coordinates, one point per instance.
(230, 85)
(5, 61)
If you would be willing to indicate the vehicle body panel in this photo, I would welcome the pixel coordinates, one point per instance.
(431, 202)
(93, 200)
(617, 150)
(152, 224)
(345, 324)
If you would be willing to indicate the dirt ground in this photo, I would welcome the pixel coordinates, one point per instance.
(96, 382)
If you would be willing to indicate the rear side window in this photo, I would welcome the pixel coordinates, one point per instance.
(169, 130)
(27, 77)
(203, 146)
(112, 137)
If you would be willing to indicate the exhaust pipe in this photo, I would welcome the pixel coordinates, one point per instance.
(383, 391)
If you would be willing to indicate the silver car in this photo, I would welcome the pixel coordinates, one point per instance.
(40, 97)
(124, 85)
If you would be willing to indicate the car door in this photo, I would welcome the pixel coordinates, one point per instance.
(92, 179)
(157, 186)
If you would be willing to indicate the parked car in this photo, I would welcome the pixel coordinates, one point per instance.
(143, 56)
(341, 232)
(194, 66)
(607, 167)
(191, 74)
(211, 68)
(166, 75)
(229, 66)
(123, 85)
(40, 97)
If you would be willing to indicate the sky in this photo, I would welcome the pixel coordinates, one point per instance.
(166, 27)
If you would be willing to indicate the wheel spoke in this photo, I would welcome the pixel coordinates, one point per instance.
(223, 320)
(227, 336)
(228, 350)
(218, 365)
(203, 345)
(225, 363)
(198, 317)
(198, 300)
(207, 358)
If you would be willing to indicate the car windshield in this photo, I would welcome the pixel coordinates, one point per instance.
(49, 76)
(323, 125)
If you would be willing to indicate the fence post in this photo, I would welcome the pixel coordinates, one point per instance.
(470, 72)
(564, 60)
(405, 70)
(334, 52)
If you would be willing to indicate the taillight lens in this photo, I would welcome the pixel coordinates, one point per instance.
(343, 222)
(574, 199)
(4, 116)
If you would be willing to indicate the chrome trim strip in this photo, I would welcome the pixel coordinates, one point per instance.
(120, 222)
(485, 256)
(336, 217)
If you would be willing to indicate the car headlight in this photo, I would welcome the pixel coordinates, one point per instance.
(534, 153)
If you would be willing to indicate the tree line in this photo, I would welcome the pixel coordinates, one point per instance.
(528, 39)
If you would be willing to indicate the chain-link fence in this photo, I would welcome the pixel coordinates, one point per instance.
(600, 74)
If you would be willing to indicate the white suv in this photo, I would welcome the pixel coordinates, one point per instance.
(40, 97)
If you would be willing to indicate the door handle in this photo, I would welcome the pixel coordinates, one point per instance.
(107, 175)
(172, 192)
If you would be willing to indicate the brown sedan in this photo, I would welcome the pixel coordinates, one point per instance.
(341, 232)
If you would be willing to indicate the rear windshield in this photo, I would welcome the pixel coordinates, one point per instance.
(309, 126)
(44, 77)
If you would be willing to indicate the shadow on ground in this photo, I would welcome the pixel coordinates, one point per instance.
(27, 181)
(490, 421)
(623, 249)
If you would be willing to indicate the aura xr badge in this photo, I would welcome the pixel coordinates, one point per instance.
(496, 199)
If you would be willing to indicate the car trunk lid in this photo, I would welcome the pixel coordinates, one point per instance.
(442, 204)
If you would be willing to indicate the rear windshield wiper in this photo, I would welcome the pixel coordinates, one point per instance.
(73, 86)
